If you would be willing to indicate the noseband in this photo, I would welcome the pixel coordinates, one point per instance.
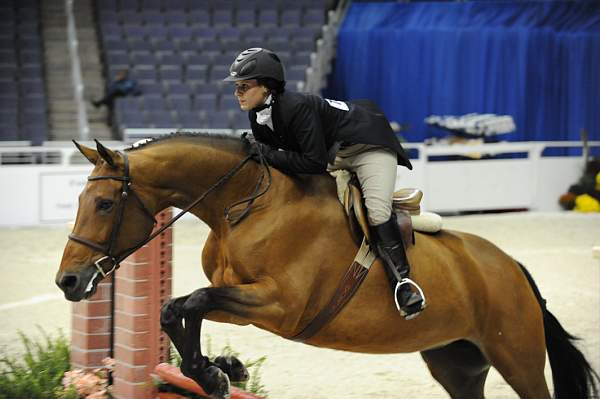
(127, 191)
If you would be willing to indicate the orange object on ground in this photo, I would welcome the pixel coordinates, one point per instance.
(170, 395)
(174, 376)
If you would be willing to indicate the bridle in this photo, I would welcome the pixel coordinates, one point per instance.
(108, 250)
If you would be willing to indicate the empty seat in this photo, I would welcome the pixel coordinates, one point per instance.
(153, 102)
(199, 18)
(205, 34)
(171, 73)
(141, 58)
(190, 119)
(171, 59)
(180, 32)
(117, 60)
(208, 88)
(140, 45)
(30, 72)
(115, 46)
(179, 88)
(8, 89)
(145, 74)
(196, 73)
(153, 18)
(314, 17)
(132, 32)
(31, 88)
(205, 102)
(219, 120)
(106, 5)
(267, 18)
(180, 103)
(177, 4)
(128, 5)
(131, 18)
(161, 120)
(8, 73)
(290, 17)
(218, 73)
(222, 17)
(239, 120)
(296, 73)
(150, 5)
(162, 45)
(229, 102)
(176, 17)
(245, 17)
(150, 86)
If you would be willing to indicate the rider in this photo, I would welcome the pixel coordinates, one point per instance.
(303, 133)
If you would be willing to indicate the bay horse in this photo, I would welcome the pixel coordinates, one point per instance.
(280, 265)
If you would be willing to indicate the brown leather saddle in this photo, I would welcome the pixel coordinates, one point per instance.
(406, 202)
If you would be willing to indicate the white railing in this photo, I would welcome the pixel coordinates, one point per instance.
(65, 153)
(46, 192)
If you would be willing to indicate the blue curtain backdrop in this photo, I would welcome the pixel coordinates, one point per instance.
(536, 61)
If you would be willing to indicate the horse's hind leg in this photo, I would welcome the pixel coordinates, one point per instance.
(518, 352)
(460, 368)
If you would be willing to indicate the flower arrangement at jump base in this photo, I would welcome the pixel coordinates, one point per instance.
(93, 384)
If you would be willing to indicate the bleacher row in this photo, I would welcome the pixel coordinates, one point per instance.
(179, 52)
(23, 114)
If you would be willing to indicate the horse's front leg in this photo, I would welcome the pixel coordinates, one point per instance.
(248, 301)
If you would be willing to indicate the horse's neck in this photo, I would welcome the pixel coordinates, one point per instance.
(177, 176)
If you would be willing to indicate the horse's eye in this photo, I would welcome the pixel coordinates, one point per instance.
(105, 205)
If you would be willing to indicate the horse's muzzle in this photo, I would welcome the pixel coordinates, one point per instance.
(77, 286)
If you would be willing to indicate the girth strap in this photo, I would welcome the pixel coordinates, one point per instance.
(346, 289)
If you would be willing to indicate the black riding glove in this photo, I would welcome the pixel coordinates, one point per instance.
(256, 147)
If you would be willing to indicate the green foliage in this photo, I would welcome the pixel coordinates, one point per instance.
(38, 374)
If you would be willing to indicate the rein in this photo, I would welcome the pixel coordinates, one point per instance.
(127, 190)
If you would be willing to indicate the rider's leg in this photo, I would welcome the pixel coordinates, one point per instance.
(376, 171)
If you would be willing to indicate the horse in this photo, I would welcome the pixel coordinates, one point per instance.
(278, 263)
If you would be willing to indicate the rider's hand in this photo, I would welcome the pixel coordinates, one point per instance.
(248, 137)
(257, 147)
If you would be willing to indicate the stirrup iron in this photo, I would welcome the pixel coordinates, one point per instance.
(399, 284)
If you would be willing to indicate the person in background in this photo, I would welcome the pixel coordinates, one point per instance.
(303, 133)
(122, 86)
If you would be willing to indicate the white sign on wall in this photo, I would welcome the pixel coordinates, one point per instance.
(59, 193)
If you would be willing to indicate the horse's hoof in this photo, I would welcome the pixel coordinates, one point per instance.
(233, 367)
(217, 386)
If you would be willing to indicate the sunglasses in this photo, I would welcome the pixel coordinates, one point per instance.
(243, 87)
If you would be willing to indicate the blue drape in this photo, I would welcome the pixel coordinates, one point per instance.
(536, 61)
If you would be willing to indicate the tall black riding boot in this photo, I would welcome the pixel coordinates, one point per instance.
(407, 294)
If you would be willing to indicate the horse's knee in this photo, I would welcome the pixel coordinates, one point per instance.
(171, 312)
(197, 302)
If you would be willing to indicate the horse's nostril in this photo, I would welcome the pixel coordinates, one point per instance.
(68, 281)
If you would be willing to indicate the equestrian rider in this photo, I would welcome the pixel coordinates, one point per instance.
(303, 133)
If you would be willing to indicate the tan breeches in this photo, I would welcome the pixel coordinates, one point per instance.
(376, 169)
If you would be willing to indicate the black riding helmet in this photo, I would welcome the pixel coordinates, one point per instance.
(255, 63)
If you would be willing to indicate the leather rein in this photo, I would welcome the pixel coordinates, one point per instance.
(127, 191)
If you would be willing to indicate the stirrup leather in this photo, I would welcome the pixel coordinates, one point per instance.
(408, 281)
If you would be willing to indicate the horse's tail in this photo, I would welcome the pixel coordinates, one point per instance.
(572, 375)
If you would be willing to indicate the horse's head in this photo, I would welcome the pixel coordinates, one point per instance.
(109, 223)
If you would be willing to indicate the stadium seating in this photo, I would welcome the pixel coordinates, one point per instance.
(23, 108)
(180, 51)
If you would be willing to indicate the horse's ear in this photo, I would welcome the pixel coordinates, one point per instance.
(89, 153)
(108, 155)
